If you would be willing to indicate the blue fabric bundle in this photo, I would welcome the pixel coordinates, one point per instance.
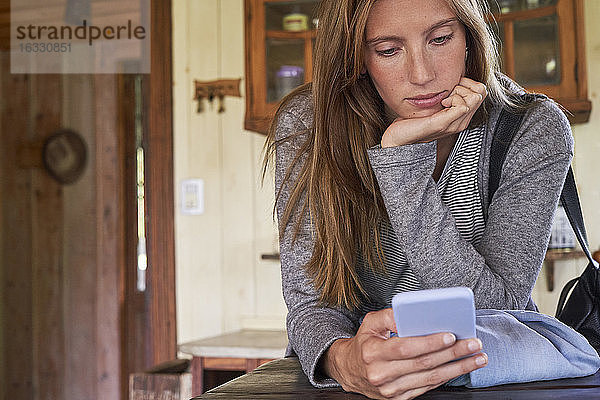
(525, 346)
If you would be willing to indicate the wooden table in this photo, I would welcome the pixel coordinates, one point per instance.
(236, 351)
(283, 379)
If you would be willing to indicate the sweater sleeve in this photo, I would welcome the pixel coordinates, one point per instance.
(311, 328)
(502, 269)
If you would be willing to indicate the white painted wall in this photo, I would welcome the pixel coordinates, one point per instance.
(222, 284)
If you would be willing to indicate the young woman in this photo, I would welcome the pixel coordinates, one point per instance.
(381, 182)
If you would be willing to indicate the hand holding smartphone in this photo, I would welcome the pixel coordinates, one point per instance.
(424, 312)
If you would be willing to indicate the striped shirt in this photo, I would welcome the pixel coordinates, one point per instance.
(459, 190)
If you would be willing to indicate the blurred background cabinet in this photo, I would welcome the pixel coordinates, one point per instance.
(542, 48)
(280, 39)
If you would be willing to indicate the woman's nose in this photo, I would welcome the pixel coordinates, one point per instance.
(421, 69)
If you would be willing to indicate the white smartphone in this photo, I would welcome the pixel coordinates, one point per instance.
(423, 312)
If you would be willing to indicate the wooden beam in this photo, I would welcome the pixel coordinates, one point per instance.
(15, 254)
(581, 72)
(159, 184)
(109, 241)
(47, 247)
(80, 268)
(509, 49)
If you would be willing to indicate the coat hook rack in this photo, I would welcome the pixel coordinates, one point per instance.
(216, 90)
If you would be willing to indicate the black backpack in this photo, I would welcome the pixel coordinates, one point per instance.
(580, 310)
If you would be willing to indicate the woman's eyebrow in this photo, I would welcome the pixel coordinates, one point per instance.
(441, 23)
(433, 27)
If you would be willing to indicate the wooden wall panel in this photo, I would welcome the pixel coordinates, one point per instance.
(109, 239)
(79, 212)
(15, 264)
(47, 246)
(198, 154)
(62, 261)
(61, 258)
(2, 285)
(238, 209)
(159, 189)
(4, 24)
(209, 44)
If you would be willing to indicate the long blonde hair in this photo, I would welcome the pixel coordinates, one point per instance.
(343, 196)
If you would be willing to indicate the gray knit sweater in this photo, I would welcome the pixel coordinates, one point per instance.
(501, 270)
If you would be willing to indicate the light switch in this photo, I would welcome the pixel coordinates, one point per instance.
(192, 197)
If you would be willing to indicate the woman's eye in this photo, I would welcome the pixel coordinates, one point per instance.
(387, 52)
(441, 40)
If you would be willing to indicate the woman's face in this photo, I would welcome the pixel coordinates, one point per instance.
(414, 54)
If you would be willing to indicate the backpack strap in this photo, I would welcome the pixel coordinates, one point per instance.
(570, 202)
(506, 128)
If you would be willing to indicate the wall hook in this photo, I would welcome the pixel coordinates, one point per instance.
(220, 88)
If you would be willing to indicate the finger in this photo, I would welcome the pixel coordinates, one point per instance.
(468, 85)
(432, 360)
(437, 376)
(457, 100)
(457, 90)
(464, 122)
(447, 102)
(440, 121)
(472, 98)
(428, 361)
(419, 130)
(474, 86)
(464, 91)
(399, 367)
(407, 348)
(379, 323)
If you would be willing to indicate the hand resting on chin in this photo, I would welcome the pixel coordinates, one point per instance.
(459, 108)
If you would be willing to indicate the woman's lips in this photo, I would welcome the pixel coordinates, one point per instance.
(427, 100)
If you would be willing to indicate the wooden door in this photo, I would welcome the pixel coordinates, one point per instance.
(71, 326)
(61, 254)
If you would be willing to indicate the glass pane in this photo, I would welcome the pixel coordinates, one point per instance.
(507, 6)
(142, 259)
(285, 67)
(294, 16)
(537, 52)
